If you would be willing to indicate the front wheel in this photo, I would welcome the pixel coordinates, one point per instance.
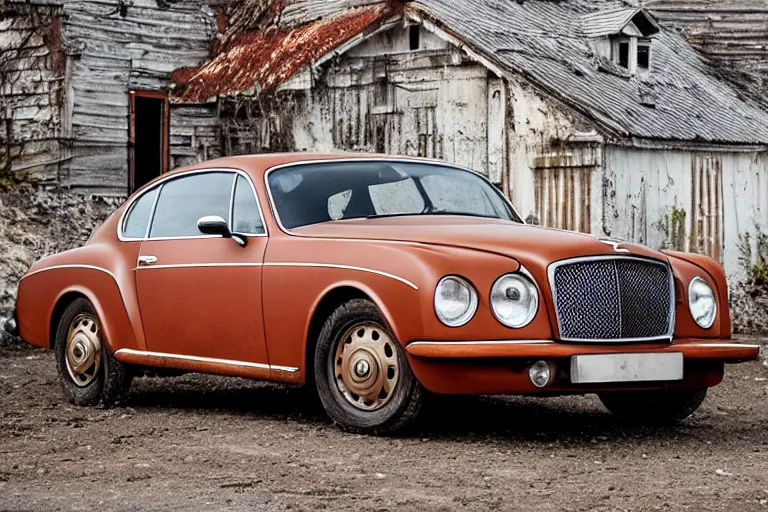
(653, 407)
(362, 374)
(89, 374)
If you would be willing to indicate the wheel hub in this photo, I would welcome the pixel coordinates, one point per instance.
(362, 368)
(83, 356)
(366, 366)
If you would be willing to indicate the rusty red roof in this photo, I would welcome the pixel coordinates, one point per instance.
(267, 57)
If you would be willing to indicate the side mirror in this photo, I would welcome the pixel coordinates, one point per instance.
(214, 225)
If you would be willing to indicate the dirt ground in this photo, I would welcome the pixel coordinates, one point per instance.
(207, 443)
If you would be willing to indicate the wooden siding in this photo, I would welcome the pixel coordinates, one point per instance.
(111, 54)
(31, 86)
(67, 71)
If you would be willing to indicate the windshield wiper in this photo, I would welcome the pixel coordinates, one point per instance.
(432, 212)
(468, 214)
(383, 215)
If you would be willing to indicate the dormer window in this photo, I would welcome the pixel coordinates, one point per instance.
(621, 52)
(643, 55)
(622, 35)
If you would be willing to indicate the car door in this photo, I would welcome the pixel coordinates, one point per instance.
(200, 295)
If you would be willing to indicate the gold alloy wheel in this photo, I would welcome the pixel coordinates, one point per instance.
(366, 366)
(83, 356)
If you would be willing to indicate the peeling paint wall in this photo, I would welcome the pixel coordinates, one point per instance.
(555, 161)
(31, 89)
(699, 201)
(433, 102)
(112, 48)
(68, 105)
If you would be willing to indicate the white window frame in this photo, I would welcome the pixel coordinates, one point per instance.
(631, 56)
(645, 43)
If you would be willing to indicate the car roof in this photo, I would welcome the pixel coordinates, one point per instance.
(257, 165)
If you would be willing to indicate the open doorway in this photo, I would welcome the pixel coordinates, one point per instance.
(149, 137)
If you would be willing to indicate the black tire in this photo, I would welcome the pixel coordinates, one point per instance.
(653, 407)
(405, 402)
(112, 381)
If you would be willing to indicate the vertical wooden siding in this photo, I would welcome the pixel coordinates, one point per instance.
(563, 197)
(706, 200)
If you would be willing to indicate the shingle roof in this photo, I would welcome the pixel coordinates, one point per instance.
(544, 40)
(265, 58)
(611, 21)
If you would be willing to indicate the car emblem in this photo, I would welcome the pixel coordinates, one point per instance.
(615, 244)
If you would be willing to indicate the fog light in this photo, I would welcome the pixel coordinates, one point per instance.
(540, 373)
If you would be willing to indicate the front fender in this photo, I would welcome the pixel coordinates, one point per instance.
(686, 266)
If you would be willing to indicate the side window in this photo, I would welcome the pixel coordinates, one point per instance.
(135, 224)
(246, 218)
(184, 200)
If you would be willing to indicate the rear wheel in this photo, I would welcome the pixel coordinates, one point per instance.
(362, 374)
(654, 407)
(89, 374)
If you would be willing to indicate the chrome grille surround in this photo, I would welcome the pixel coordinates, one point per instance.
(596, 309)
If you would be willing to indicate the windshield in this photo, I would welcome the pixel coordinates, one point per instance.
(329, 191)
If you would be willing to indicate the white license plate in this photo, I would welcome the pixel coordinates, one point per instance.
(599, 368)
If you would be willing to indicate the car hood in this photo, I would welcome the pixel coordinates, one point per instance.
(531, 245)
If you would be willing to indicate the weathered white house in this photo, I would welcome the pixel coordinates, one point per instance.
(589, 114)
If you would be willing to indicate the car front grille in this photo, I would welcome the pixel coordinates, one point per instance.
(614, 299)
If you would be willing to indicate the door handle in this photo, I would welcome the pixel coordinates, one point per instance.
(147, 260)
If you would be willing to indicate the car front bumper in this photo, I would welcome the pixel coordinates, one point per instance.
(501, 367)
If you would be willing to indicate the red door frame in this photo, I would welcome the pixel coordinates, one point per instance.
(132, 95)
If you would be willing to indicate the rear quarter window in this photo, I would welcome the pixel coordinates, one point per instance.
(135, 224)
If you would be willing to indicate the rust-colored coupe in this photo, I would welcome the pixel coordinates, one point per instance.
(377, 280)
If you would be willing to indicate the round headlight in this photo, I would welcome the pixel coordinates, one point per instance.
(701, 302)
(514, 300)
(455, 301)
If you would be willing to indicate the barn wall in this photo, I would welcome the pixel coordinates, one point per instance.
(697, 201)
(554, 161)
(112, 52)
(31, 89)
(431, 102)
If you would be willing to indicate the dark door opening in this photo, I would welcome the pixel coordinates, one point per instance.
(149, 138)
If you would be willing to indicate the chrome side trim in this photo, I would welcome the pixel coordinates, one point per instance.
(199, 359)
(666, 337)
(232, 203)
(344, 267)
(194, 265)
(284, 264)
(371, 159)
(491, 343)
(55, 267)
(160, 183)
